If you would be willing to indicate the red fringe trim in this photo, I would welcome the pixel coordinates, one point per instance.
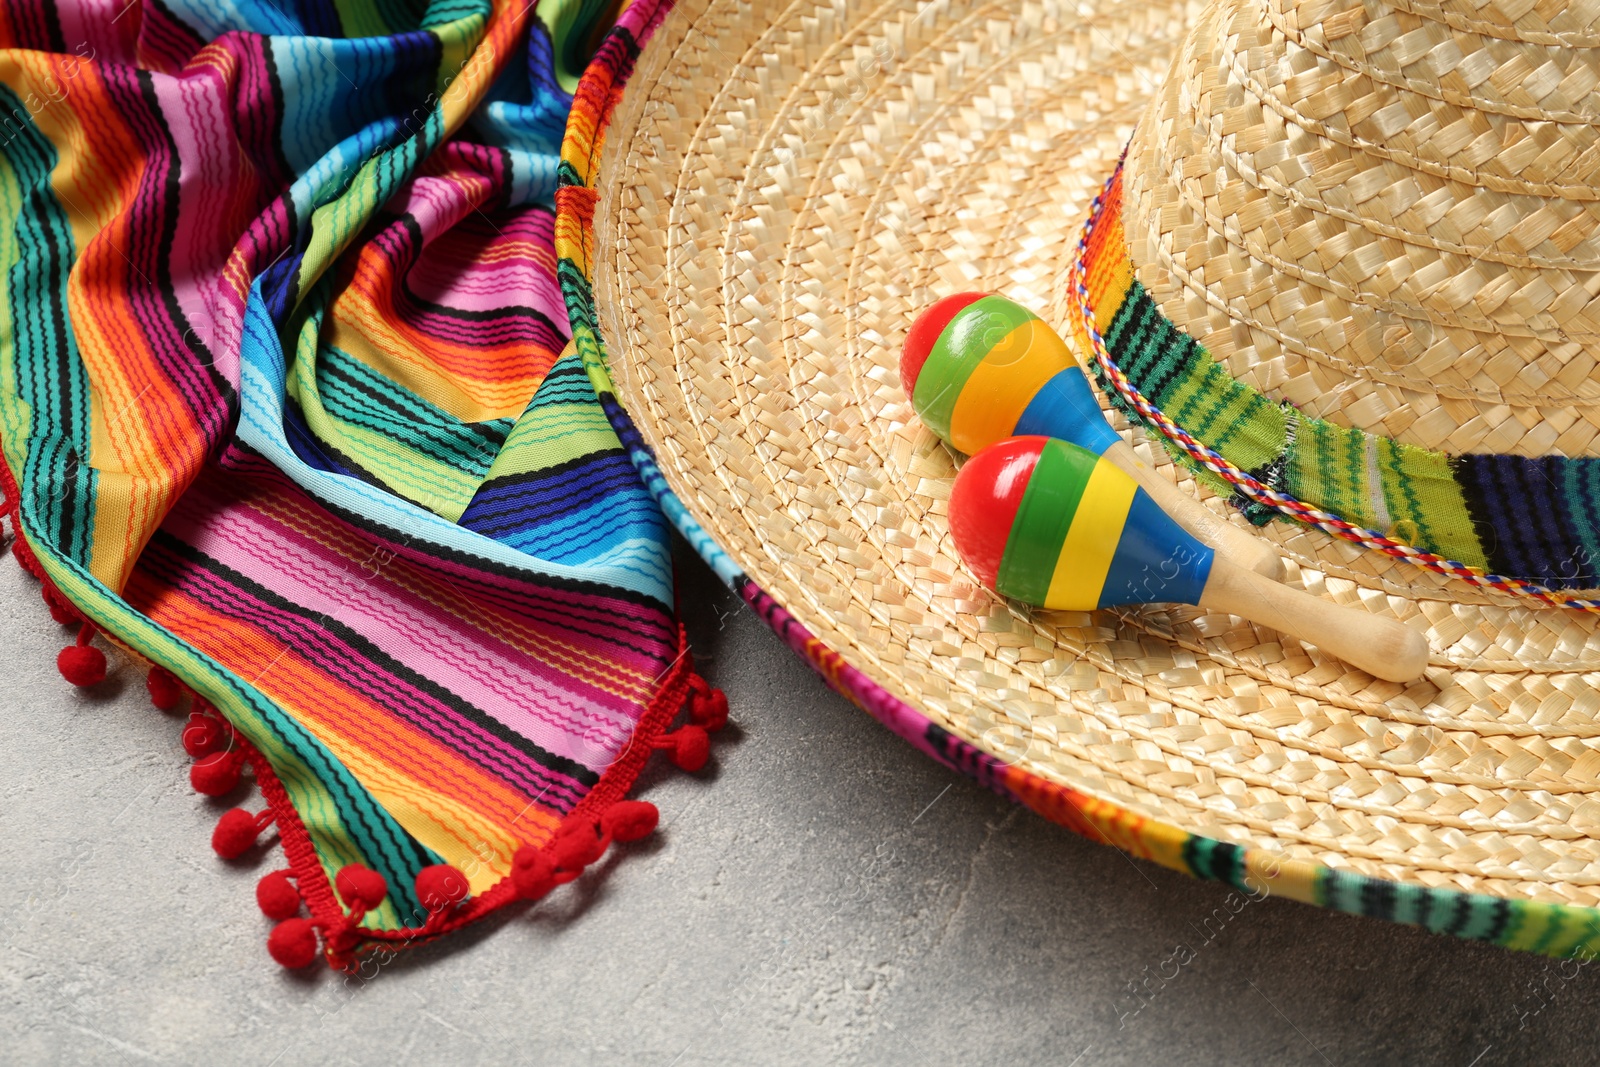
(344, 941)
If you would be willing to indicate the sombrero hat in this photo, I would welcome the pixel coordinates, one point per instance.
(1341, 284)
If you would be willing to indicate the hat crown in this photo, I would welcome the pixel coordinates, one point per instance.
(1386, 213)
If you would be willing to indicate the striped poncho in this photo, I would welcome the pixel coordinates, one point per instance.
(286, 412)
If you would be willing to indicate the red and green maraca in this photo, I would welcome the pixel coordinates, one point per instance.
(979, 367)
(1054, 525)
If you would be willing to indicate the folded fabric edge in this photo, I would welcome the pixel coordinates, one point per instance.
(338, 906)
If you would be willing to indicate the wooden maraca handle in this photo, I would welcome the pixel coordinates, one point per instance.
(1384, 648)
(1252, 553)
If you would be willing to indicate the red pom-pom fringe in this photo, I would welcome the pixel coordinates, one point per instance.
(293, 943)
(708, 707)
(441, 886)
(577, 846)
(536, 871)
(630, 820)
(221, 756)
(203, 735)
(361, 887)
(533, 872)
(689, 746)
(237, 831)
(277, 896)
(217, 774)
(82, 664)
(166, 692)
(62, 610)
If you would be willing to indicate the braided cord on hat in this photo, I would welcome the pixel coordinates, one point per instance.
(1252, 487)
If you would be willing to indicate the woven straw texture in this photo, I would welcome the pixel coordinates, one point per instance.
(781, 190)
(1386, 220)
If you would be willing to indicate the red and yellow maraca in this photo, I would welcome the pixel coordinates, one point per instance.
(979, 367)
(1054, 525)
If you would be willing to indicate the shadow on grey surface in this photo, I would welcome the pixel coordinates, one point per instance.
(823, 894)
(1185, 969)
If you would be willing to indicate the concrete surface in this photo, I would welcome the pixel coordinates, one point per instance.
(824, 895)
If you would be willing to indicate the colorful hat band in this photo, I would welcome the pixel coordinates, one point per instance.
(1514, 524)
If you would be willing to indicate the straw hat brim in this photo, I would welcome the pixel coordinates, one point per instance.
(781, 189)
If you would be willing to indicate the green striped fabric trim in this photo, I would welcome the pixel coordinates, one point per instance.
(1409, 493)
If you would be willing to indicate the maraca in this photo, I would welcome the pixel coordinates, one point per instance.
(981, 367)
(1052, 524)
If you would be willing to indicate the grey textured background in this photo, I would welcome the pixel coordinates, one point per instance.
(821, 895)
